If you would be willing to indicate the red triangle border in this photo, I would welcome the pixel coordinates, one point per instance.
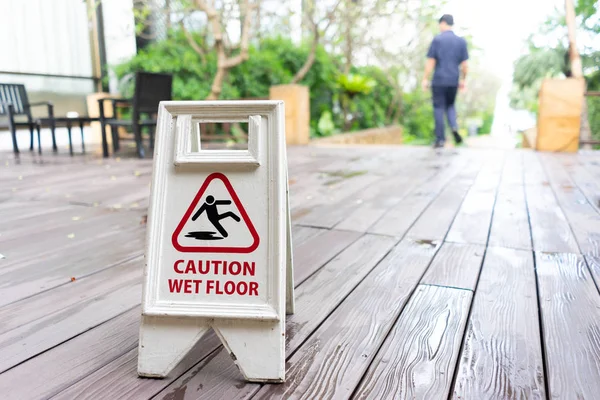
(192, 207)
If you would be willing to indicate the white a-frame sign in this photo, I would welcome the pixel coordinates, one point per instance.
(218, 250)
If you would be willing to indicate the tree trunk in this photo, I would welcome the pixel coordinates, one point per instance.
(224, 63)
(310, 60)
(585, 133)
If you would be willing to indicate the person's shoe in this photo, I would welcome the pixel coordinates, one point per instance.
(457, 138)
(438, 144)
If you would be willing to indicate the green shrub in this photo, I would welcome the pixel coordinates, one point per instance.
(371, 99)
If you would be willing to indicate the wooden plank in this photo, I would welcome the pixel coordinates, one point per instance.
(64, 365)
(456, 265)
(583, 219)
(502, 353)
(301, 234)
(585, 179)
(570, 310)
(70, 295)
(315, 300)
(316, 251)
(434, 222)
(549, 227)
(398, 220)
(510, 223)
(472, 222)
(594, 264)
(333, 360)
(37, 274)
(373, 204)
(418, 358)
(331, 208)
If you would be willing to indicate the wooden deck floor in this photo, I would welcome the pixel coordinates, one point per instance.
(465, 275)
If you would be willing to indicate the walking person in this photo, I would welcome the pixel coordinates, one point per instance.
(447, 59)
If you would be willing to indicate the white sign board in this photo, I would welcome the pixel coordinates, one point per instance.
(219, 245)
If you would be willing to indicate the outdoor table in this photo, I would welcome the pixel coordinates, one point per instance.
(63, 122)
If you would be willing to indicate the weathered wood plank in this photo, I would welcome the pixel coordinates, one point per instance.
(549, 227)
(583, 218)
(510, 224)
(418, 358)
(434, 222)
(570, 310)
(585, 179)
(315, 300)
(333, 360)
(594, 264)
(373, 204)
(301, 234)
(70, 295)
(37, 274)
(312, 254)
(28, 340)
(456, 265)
(502, 353)
(472, 222)
(64, 365)
(398, 220)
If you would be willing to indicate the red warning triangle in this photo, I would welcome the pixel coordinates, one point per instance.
(211, 223)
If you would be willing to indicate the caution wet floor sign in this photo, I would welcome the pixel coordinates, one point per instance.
(219, 244)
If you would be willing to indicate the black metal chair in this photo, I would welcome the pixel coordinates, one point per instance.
(14, 104)
(150, 90)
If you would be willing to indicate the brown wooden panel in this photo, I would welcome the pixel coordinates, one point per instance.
(549, 227)
(60, 367)
(594, 264)
(374, 204)
(434, 222)
(315, 252)
(315, 300)
(40, 273)
(510, 224)
(70, 295)
(456, 265)
(502, 353)
(418, 358)
(472, 222)
(583, 218)
(570, 309)
(398, 220)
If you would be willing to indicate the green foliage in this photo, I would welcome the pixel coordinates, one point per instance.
(417, 117)
(326, 126)
(370, 96)
(488, 121)
(353, 84)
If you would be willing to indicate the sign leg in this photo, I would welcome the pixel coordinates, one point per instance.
(164, 341)
(257, 347)
(289, 271)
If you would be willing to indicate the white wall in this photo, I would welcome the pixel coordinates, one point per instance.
(48, 37)
(119, 34)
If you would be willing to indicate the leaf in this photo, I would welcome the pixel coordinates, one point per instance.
(73, 279)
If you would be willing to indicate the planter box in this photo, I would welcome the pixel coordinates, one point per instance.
(391, 135)
(559, 115)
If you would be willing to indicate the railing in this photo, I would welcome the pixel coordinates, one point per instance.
(592, 116)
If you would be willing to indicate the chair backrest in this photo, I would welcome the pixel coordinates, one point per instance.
(151, 89)
(16, 95)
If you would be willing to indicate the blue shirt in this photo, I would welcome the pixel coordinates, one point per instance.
(449, 51)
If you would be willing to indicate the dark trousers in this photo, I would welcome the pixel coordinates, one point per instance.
(443, 103)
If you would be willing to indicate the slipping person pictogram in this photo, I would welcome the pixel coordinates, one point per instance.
(212, 213)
